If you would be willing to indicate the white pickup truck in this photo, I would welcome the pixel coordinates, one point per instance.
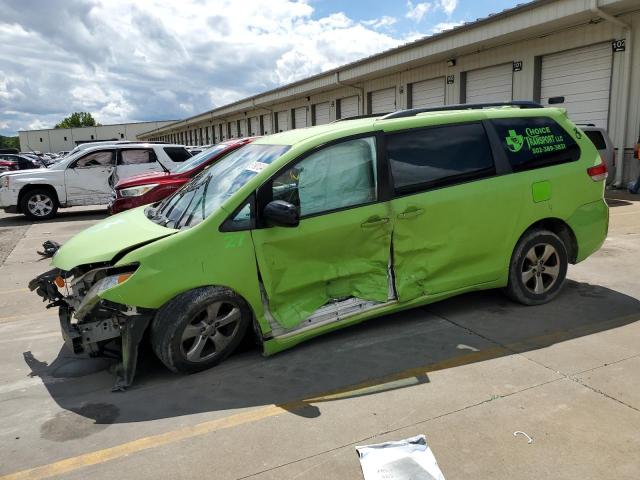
(86, 177)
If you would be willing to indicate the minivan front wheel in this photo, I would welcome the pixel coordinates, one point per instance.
(198, 329)
(538, 268)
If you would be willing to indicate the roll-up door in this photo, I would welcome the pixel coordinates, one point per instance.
(349, 107)
(428, 93)
(266, 124)
(321, 113)
(283, 120)
(583, 77)
(300, 117)
(383, 101)
(254, 128)
(492, 84)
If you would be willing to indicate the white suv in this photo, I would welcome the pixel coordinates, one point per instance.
(86, 177)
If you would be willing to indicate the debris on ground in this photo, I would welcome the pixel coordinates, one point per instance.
(49, 248)
(529, 439)
(409, 459)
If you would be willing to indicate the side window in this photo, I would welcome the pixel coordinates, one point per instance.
(339, 176)
(97, 159)
(431, 157)
(177, 154)
(137, 156)
(535, 142)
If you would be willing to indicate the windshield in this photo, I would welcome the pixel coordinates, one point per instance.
(206, 192)
(200, 158)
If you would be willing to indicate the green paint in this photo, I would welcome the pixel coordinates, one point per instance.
(514, 141)
(541, 191)
(445, 241)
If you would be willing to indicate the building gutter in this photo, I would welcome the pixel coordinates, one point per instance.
(626, 89)
(360, 89)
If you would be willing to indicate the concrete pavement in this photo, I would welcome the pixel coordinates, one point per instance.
(466, 372)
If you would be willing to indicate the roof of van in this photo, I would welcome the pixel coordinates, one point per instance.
(291, 137)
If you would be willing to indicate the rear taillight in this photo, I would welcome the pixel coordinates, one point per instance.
(598, 172)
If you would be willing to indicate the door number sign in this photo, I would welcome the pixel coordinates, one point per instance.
(617, 45)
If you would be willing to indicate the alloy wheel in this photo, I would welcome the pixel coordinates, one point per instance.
(40, 205)
(540, 268)
(210, 331)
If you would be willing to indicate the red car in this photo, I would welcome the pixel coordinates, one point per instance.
(152, 187)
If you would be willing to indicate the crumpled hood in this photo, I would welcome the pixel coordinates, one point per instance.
(104, 240)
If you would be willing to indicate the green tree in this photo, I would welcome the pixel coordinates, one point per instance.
(78, 119)
(9, 142)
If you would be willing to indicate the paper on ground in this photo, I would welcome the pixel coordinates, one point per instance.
(409, 459)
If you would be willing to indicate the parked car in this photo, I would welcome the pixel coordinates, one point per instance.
(153, 187)
(307, 231)
(604, 145)
(12, 162)
(84, 178)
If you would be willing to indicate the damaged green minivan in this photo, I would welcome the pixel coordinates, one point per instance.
(314, 229)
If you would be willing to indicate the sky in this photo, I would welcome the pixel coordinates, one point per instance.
(147, 60)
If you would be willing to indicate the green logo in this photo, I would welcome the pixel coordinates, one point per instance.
(514, 141)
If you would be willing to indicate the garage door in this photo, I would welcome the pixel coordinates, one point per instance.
(349, 107)
(383, 101)
(254, 126)
(429, 93)
(267, 129)
(300, 117)
(282, 121)
(321, 113)
(583, 77)
(493, 84)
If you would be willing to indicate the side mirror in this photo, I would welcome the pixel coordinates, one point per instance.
(281, 214)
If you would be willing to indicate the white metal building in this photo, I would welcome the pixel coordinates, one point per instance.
(583, 55)
(62, 139)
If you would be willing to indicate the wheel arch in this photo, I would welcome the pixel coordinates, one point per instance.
(560, 228)
(33, 186)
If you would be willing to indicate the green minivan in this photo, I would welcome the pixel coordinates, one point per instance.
(314, 229)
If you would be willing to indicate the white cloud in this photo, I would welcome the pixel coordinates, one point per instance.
(152, 59)
(442, 26)
(448, 6)
(418, 11)
(382, 22)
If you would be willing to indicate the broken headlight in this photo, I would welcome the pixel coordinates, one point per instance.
(137, 191)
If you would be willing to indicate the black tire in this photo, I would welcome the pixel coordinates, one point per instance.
(39, 204)
(537, 282)
(183, 315)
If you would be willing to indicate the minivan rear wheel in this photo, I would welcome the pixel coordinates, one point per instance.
(198, 329)
(538, 268)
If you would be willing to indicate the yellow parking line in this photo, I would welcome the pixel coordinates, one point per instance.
(15, 290)
(112, 453)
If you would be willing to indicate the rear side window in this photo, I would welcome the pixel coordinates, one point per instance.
(431, 157)
(535, 142)
(177, 154)
(137, 156)
(597, 138)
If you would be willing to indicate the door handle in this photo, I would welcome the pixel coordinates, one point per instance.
(374, 222)
(414, 212)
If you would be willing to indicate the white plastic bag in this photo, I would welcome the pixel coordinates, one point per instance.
(409, 459)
